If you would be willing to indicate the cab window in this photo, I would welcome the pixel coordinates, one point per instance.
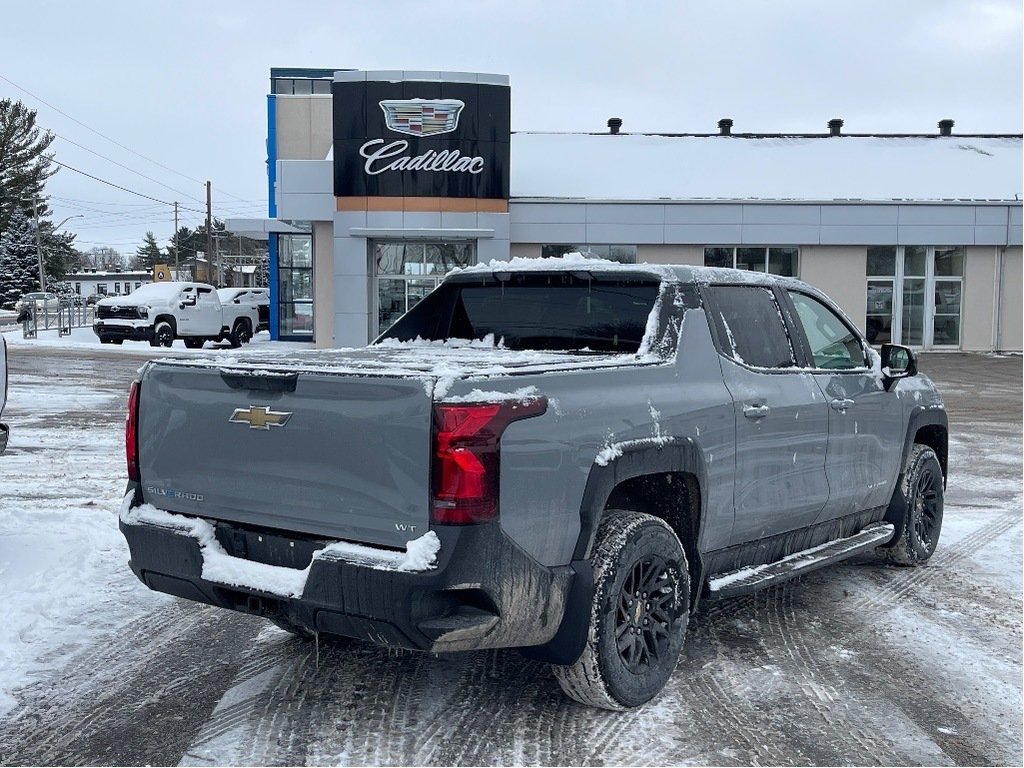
(832, 343)
(748, 325)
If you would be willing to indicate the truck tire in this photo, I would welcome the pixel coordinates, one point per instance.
(240, 333)
(638, 616)
(917, 534)
(163, 334)
(194, 342)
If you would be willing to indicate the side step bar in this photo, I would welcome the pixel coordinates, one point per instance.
(754, 577)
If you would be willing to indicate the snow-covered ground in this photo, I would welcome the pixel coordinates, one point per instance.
(857, 664)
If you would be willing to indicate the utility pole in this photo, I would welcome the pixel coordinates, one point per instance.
(176, 277)
(209, 233)
(39, 245)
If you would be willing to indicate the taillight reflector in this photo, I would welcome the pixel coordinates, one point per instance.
(131, 432)
(466, 457)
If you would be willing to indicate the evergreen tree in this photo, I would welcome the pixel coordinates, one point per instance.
(25, 165)
(59, 253)
(19, 266)
(149, 254)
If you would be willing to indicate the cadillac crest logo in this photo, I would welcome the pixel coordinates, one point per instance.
(422, 117)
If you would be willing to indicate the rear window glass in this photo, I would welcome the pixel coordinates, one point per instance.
(749, 326)
(536, 311)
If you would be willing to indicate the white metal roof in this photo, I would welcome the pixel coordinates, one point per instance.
(812, 168)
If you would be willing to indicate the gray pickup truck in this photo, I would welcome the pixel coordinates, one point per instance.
(563, 456)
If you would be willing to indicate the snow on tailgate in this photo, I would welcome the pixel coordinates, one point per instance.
(221, 568)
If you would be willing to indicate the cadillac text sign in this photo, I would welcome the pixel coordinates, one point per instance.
(421, 138)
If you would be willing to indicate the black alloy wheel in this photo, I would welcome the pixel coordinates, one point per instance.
(638, 614)
(164, 335)
(927, 511)
(646, 609)
(920, 495)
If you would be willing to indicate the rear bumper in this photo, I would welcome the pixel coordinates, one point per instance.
(114, 329)
(483, 591)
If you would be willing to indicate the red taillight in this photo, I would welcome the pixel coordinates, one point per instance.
(466, 457)
(131, 432)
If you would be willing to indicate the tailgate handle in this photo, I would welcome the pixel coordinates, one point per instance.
(261, 382)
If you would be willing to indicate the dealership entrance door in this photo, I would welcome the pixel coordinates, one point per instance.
(914, 296)
(404, 272)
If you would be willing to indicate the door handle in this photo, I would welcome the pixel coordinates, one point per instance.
(756, 411)
(841, 405)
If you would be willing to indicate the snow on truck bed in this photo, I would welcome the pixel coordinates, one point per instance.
(437, 364)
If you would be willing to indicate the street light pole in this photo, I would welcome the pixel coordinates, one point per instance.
(39, 245)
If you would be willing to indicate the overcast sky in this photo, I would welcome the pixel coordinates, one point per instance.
(184, 84)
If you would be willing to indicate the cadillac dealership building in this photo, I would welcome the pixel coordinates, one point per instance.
(380, 182)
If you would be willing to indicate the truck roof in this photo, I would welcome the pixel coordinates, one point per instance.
(577, 262)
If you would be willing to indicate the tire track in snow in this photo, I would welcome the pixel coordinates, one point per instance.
(711, 676)
(823, 689)
(161, 674)
(906, 580)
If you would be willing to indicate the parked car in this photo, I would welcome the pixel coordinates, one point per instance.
(43, 302)
(92, 298)
(564, 456)
(162, 312)
(257, 297)
(4, 431)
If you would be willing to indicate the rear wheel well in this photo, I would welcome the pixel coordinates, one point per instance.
(673, 497)
(936, 438)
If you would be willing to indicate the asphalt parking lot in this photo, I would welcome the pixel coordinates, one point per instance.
(859, 664)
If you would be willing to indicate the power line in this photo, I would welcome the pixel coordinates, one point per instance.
(103, 136)
(130, 170)
(118, 186)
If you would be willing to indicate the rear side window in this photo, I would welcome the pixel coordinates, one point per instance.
(749, 326)
(833, 345)
(536, 311)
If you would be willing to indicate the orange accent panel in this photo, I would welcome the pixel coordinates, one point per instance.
(423, 204)
(351, 203)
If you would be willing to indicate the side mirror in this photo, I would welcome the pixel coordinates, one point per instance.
(898, 362)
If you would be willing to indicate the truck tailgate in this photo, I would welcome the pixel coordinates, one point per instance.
(338, 456)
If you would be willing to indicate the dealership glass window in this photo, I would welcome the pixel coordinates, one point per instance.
(881, 273)
(914, 295)
(624, 254)
(778, 260)
(405, 272)
(300, 85)
(295, 285)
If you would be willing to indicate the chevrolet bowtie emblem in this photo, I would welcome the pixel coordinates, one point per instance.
(259, 417)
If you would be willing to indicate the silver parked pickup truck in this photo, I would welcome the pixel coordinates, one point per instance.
(560, 455)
